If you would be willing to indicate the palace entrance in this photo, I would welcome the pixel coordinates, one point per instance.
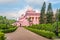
(20, 25)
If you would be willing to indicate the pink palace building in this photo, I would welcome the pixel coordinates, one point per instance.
(30, 17)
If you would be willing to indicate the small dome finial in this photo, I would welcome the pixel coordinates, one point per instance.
(30, 8)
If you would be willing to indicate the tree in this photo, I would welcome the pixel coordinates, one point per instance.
(58, 13)
(57, 19)
(49, 14)
(42, 15)
(1, 19)
(4, 19)
(29, 19)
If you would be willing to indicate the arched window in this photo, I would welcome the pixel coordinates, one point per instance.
(29, 17)
(36, 17)
(32, 17)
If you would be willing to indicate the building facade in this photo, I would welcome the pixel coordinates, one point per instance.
(30, 17)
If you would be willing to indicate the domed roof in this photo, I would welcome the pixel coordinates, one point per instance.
(30, 8)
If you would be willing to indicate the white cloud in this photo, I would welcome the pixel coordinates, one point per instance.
(52, 1)
(35, 2)
(8, 1)
(10, 14)
(40, 2)
(16, 14)
(23, 11)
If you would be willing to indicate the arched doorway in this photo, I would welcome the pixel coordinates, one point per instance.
(20, 25)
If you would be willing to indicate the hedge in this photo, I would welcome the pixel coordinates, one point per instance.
(44, 33)
(47, 27)
(3, 26)
(2, 36)
(59, 35)
(9, 30)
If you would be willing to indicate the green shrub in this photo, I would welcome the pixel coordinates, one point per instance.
(44, 33)
(47, 27)
(59, 35)
(2, 36)
(3, 26)
(9, 30)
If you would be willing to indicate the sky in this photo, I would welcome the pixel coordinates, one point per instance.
(15, 8)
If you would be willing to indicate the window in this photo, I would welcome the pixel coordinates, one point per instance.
(32, 18)
(36, 17)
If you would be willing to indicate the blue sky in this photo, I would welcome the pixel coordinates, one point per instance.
(15, 8)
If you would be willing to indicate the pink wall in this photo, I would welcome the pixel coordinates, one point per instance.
(34, 17)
